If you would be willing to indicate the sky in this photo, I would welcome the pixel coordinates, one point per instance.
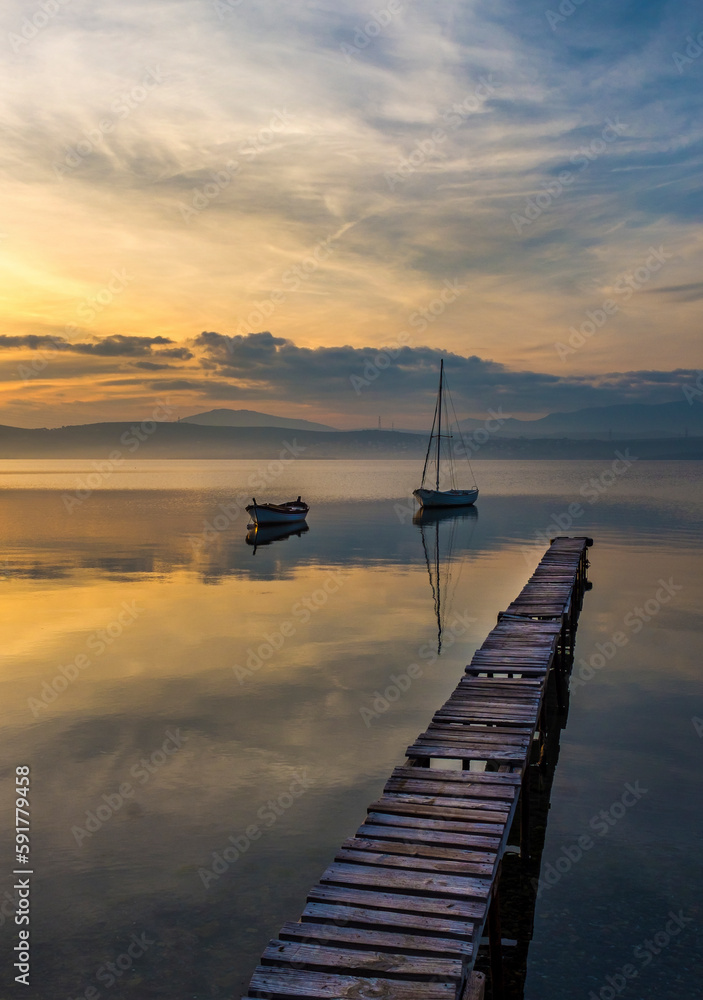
(300, 207)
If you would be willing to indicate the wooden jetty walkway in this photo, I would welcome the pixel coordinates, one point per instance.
(401, 911)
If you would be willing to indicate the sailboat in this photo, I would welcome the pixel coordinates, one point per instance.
(453, 497)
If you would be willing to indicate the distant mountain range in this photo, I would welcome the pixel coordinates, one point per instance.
(225, 417)
(109, 445)
(623, 421)
(626, 420)
(666, 430)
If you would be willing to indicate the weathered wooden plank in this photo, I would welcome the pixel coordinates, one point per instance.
(473, 820)
(517, 652)
(369, 898)
(533, 670)
(417, 850)
(371, 939)
(475, 713)
(524, 650)
(462, 790)
(277, 984)
(480, 779)
(452, 807)
(487, 732)
(465, 697)
(539, 653)
(353, 960)
(532, 636)
(507, 714)
(539, 644)
(459, 932)
(415, 862)
(516, 672)
(495, 660)
(403, 881)
(515, 629)
(539, 640)
(408, 836)
(517, 719)
(466, 732)
(496, 687)
(454, 751)
(480, 749)
(430, 823)
(509, 708)
(469, 693)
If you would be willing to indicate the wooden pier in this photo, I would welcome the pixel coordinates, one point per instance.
(401, 911)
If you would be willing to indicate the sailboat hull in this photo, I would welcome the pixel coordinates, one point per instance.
(445, 498)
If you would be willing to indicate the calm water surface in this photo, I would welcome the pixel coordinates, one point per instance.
(211, 698)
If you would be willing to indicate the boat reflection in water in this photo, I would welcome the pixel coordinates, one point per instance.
(266, 534)
(443, 567)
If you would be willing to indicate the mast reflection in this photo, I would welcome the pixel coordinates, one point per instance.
(438, 547)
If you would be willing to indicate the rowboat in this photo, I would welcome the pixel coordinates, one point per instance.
(453, 497)
(277, 513)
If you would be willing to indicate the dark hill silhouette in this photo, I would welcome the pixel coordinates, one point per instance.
(183, 440)
(226, 417)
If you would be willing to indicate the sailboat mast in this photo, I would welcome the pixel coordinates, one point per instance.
(429, 446)
(439, 428)
(438, 602)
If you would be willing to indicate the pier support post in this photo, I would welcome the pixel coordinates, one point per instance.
(560, 687)
(525, 816)
(475, 987)
(496, 948)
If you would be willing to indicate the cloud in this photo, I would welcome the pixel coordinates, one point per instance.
(113, 346)
(260, 366)
(151, 366)
(119, 345)
(31, 342)
(691, 292)
(181, 353)
(176, 385)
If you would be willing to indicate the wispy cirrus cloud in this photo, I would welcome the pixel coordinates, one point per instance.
(410, 104)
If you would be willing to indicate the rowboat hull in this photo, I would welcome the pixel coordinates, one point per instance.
(264, 513)
(445, 498)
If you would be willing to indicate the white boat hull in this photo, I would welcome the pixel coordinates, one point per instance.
(445, 498)
(261, 515)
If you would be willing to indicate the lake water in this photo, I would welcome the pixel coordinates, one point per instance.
(216, 695)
